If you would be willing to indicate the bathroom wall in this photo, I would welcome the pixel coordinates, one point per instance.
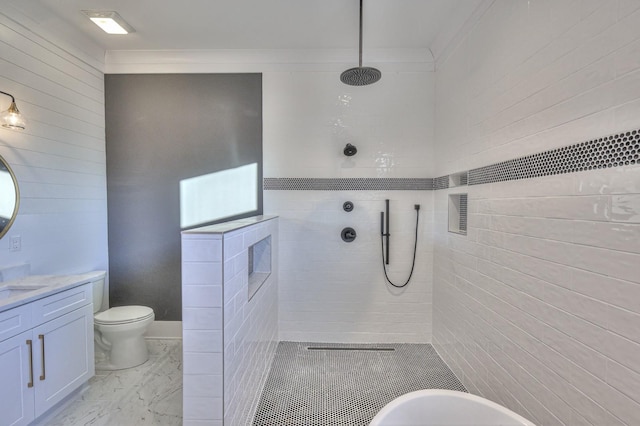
(537, 307)
(250, 323)
(165, 129)
(59, 160)
(230, 332)
(332, 291)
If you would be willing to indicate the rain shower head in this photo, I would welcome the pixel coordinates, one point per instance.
(360, 76)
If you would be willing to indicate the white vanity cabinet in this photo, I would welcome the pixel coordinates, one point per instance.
(54, 356)
(16, 397)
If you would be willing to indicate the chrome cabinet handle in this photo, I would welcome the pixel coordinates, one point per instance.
(41, 337)
(30, 344)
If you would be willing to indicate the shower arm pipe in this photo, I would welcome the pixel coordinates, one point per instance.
(360, 44)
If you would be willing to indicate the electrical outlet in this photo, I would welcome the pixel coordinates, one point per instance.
(16, 243)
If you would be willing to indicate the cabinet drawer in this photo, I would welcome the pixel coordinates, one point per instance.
(61, 303)
(15, 321)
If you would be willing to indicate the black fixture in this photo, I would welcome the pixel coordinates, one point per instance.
(385, 234)
(350, 150)
(348, 235)
(360, 76)
(347, 206)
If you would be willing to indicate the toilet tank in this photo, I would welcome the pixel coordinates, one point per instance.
(98, 290)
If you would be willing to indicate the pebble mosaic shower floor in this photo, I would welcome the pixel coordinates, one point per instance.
(338, 384)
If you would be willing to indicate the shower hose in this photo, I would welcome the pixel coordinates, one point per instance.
(413, 263)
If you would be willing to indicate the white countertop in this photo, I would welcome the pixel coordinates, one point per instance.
(224, 227)
(50, 284)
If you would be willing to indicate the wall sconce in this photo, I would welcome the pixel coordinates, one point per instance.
(11, 118)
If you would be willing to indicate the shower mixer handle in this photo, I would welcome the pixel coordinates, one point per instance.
(348, 235)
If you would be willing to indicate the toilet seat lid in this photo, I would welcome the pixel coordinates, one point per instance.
(123, 314)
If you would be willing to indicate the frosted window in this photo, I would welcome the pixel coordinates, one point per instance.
(218, 195)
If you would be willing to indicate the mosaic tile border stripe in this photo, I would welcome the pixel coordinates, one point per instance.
(441, 182)
(622, 149)
(349, 184)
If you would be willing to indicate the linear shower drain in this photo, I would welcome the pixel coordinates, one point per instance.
(331, 348)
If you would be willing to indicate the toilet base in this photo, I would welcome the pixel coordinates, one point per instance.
(124, 355)
(123, 345)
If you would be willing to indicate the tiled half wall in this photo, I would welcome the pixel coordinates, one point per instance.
(229, 339)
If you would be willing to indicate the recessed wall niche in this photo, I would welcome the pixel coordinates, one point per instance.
(458, 213)
(259, 268)
(458, 179)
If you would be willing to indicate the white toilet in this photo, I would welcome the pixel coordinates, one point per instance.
(119, 333)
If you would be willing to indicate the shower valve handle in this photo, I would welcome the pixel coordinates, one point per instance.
(348, 235)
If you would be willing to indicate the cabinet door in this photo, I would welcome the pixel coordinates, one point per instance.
(16, 380)
(63, 356)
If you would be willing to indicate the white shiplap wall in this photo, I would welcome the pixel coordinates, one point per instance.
(537, 75)
(538, 306)
(59, 160)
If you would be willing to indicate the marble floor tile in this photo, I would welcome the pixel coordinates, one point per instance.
(149, 394)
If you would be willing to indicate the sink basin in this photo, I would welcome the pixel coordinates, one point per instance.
(7, 291)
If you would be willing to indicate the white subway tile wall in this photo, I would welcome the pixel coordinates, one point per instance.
(515, 85)
(202, 341)
(228, 341)
(309, 117)
(250, 326)
(537, 307)
(332, 291)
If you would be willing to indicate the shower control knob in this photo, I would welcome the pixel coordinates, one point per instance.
(350, 150)
(347, 206)
(348, 235)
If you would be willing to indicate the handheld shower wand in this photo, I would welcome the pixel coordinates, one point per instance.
(385, 250)
(386, 235)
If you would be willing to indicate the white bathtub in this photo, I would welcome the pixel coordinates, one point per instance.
(432, 407)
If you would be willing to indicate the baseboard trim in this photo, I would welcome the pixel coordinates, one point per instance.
(164, 330)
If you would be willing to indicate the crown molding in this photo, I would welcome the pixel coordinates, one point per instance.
(261, 60)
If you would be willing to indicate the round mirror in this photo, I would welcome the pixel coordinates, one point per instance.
(9, 197)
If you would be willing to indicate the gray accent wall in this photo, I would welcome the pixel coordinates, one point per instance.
(161, 129)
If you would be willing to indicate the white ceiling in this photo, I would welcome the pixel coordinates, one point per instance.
(254, 24)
